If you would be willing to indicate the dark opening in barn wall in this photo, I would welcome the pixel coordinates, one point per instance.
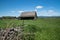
(27, 18)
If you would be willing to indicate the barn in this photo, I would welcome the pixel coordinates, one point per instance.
(28, 15)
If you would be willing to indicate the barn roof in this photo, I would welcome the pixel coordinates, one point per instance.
(28, 14)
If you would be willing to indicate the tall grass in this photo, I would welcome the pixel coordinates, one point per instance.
(43, 28)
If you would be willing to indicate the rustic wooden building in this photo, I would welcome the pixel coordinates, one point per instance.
(28, 15)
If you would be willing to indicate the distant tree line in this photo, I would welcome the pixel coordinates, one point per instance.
(8, 17)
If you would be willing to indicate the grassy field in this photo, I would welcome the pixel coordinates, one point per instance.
(44, 28)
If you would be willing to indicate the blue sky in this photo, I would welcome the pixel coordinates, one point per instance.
(42, 7)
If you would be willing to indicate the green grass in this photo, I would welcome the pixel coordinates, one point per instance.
(44, 28)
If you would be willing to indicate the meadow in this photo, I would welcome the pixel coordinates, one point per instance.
(43, 28)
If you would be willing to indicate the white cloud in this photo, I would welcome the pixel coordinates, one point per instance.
(39, 7)
(48, 13)
(16, 11)
(20, 11)
(36, 10)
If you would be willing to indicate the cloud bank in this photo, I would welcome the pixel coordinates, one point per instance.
(48, 13)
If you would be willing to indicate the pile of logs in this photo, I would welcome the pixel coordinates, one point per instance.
(11, 34)
(15, 34)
